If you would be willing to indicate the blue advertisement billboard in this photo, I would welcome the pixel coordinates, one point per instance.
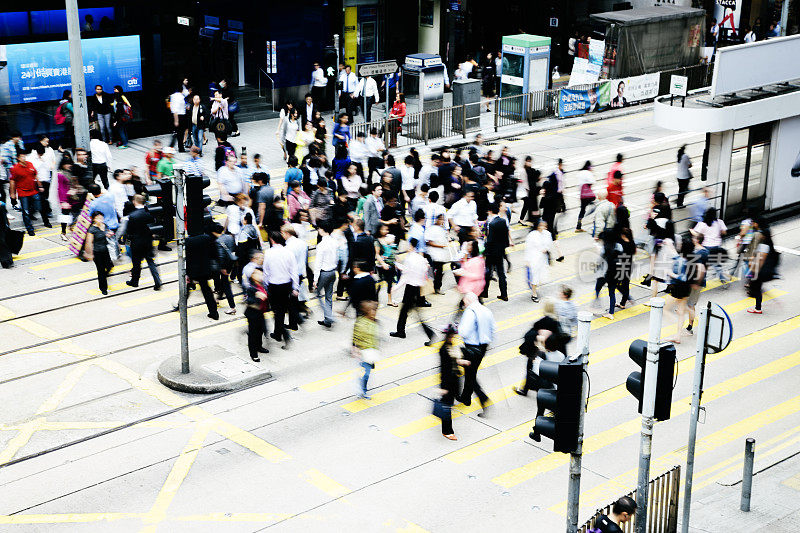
(38, 72)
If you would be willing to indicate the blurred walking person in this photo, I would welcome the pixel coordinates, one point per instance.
(366, 344)
(477, 329)
(684, 175)
(96, 249)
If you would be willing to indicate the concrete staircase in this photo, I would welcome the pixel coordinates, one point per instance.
(251, 106)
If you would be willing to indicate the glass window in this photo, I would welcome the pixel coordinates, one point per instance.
(515, 66)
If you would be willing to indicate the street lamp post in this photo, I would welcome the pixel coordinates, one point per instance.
(80, 118)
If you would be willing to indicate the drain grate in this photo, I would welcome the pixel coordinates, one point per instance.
(631, 139)
(591, 133)
(512, 139)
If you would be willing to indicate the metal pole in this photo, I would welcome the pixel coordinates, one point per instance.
(699, 364)
(464, 120)
(784, 17)
(574, 490)
(747, 473)
(386, 127)
(80, 117)
(181, 229)
(648, 409)
(496, 112)
(336, 82)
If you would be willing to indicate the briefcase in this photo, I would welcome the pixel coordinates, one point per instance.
(14, 240)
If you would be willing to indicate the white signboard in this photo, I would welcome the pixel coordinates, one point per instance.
(751, 65)
(379, 68)
(677, 85)
(511, 80)
(512, 48)
(586, 71)
(626, 91)
(184, 21)
(785, 178)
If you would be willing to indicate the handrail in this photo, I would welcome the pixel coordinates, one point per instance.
(272, 91)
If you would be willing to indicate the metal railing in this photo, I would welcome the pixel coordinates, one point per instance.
(662, 508)
(262, 72)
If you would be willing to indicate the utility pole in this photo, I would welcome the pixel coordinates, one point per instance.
(648, 410)
(336, 81)
(80, 118)
(697, 391)
(574, 491)
(180, 238)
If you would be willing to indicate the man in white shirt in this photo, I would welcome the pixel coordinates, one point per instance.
(299, 248)
(463, 216)
(43, 173)
(376, 149)
(101, 158)
(325, 263)
(428, 170)
(229, 181)
(118, 191)
(359, 151)
(417, 231)
(414, 274)
(408, 185)
(349, 82)
(177, 106)
(368, 91)
(420, 200)
(318, 84)
(282, 282)
(477, 329)
(433, 209)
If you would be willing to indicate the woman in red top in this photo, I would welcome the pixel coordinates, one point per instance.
(396, 117)
(614, 182)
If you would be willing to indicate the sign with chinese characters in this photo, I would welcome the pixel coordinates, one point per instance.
(39, 72)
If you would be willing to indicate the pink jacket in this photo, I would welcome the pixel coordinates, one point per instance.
(474, 277)
(63, 188)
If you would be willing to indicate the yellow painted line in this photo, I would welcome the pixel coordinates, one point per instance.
(25, 433)
(56, 264)
(521, 431)
(411, 527)
(250, 441)
(65, 518)
(83, 276)
(611, 489)
(153, 297)
(43, 332)
(232, 517)
(430, 421)
(40, 253)
(122, 285)
(631, 427)
(793, 482)
(324, 483)
(622, 347)
(63, 389)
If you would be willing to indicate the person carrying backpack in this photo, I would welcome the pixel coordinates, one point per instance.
(764, 261)
(123, 114)
(63, 117)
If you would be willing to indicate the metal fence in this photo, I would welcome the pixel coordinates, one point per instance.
(448, 122)
(662, 507)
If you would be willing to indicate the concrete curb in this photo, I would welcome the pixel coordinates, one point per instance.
(213, 369)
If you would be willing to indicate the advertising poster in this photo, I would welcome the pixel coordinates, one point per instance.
(786, 175)
(629, 90)
(575, 102)
(585, 71)
(39, 72)
(78, 236)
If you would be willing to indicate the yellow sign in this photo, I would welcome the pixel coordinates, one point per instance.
(350, 36)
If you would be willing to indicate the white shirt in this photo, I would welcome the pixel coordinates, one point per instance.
(120, 194)
(417, 231)
(466, 68)
(425, 174)
(100, 152)
(327, 257)
(477, 325)
(407, 182)
(438, 235)
(349, 82)
(419, 202)
(49, 159)
(280, 266)
(300, 251)
(463, 214)
(318, 78)
(368, 87)
(414, 269)
(42, 170)
(432, 211)
(292, 127)
(750, 37)
(235, 215)
(352, 184)
(359, 151)
(177, 103)
(230, 179)
(375, 146)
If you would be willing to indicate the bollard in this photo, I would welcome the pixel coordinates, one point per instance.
(747, 473)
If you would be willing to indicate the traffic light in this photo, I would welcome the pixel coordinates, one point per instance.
(198, 217)
(565, 403)
(163, 210)
(666, 373)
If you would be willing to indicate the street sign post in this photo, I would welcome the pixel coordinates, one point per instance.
(677, 87)
(377, 69)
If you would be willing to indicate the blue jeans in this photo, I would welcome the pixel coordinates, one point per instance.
(28, 204)
(122, 131)
(197, 137)
(104, 126)
(365, 378)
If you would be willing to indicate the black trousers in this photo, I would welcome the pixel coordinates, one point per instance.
(683, 187)
(585, 202)
(208, 296)
(100, 169)
(373, 164)
(438, 274)
(341, 286)
(279, 301)
(44, 199)
(222, 285)
(318, 96)
(495, 263)
(255, 330)
(447, 419)
(102, 261)
(410, 300)
(471, 385)
(136, 266)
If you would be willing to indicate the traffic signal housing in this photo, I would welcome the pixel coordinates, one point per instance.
(666, 374)
(163, 209)
(565, 403)
(198, 217)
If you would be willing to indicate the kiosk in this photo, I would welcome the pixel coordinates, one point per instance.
(423, 84)
(526, 64)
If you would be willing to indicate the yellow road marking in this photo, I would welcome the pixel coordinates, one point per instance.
(234, 517)
(25, 433)
(40, 253)
(155, 296)
(610, 436)
(83, 276)
(65, 518)
(63, 389)
(56, 264)
(709, 443)
(324, 483)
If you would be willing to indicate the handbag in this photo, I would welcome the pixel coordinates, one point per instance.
(220, 125)
(440, 409)
(14, 240)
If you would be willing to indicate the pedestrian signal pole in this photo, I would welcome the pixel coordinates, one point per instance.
(574, 491)
(180, 224)
(80, 114)
(648, 411)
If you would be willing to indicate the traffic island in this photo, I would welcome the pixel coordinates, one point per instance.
(213, 369)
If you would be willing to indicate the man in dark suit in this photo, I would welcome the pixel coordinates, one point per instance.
(362, 287)
(363, 246)
(140, 239)
(201, 254)
(307, 110)
(344, 274)
(496, 244)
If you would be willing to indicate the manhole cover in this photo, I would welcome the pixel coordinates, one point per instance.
(631, 139)
(231, 367)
